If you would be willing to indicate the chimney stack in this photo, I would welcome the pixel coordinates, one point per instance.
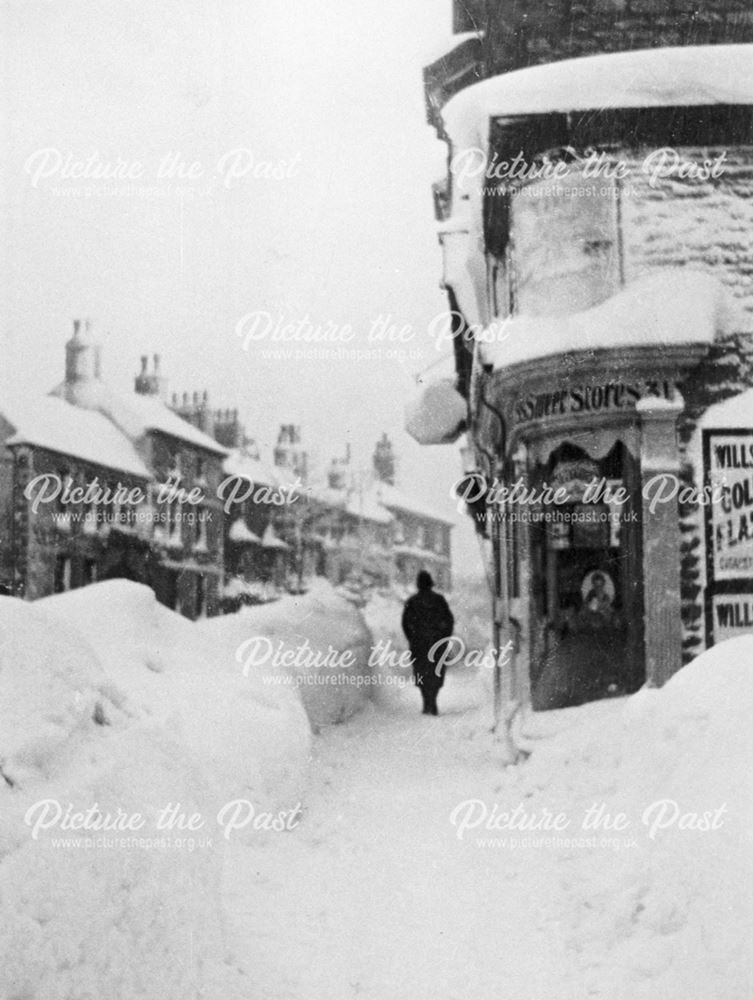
(82, 357)
(150, 385)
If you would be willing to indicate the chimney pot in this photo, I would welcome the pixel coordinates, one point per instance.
(144, 362)
(155, 358)
(185, 399)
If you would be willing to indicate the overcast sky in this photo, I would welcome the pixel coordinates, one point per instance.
(326, 95)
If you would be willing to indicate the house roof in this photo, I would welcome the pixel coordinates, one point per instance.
(134, 413)
(251, 469)
(55, 425)
(367, 506)
(395, 499)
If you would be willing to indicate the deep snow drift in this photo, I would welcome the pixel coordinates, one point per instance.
(672, 914)
(403, 868)
(108, 699)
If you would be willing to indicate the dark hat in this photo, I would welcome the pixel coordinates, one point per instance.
(424, 580)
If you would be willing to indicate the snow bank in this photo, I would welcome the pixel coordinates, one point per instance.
(669, 914)
(112, 705)
(83, 919)
(316, 644)
(51, 687)
(253, 736)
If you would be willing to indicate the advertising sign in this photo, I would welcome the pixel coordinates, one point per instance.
(728, 462)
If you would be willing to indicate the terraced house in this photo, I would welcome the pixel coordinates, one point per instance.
(99, 484)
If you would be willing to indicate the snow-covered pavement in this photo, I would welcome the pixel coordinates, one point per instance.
(374, 895)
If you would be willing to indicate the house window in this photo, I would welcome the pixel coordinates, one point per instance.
(62, 580)
(201, 515)
(176, 525)
(90, 571)
(90, 519)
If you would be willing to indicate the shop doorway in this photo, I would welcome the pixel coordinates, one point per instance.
(588, 605)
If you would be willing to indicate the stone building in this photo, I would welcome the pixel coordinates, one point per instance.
(48, 543)
(598, 246)
(167, 534)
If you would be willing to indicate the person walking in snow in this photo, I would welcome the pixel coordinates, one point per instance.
(427, 619)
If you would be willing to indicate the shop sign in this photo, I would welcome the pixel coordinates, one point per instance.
(588, 400)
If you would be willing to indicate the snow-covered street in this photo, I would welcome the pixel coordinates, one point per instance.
(418, 865)
(374, 896)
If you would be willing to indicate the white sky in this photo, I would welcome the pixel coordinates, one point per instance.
(333, 89)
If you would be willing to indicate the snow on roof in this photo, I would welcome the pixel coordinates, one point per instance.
(647, 78)
(328, 495)
(251, 469)
(367, 506)
(240, 532)
(417, 552)
(670, 307)
(270, 539)
(394, 499)
(734, 413)
(446, 46)
(58, 426)
(136, 414)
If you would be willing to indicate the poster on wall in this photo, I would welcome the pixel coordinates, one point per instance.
(728, 468)
(729, 615)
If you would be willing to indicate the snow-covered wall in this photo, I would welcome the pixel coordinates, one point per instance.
(704, 224)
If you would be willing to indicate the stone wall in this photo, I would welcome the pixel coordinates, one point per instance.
(542, 31)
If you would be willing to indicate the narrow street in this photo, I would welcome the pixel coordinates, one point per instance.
(374, 895)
